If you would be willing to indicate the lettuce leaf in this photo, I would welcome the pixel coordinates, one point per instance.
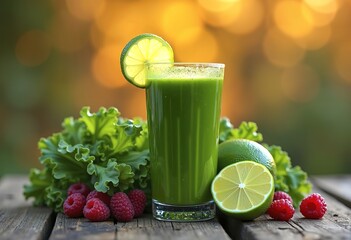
(292, 180)
(102, 149)
(246, 130)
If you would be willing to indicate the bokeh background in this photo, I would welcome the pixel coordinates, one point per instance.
(288, 68)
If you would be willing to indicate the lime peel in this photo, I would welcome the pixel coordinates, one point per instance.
(237, 150)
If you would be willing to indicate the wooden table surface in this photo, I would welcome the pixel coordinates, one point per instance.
(19, 220)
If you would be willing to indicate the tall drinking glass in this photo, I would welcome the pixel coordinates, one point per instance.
(183, 111)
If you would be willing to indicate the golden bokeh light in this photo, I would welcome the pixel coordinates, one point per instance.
(266, 77)
(321, 19)
(110, 16)
(249, 18)
(235, 89)
(179, 28)
(137, 99)
(123, 20)
(300, 84)
(316, 39)
(120, 20)
(217, 5)
(281, 50)
(323, 6)
(342, 61)
(97, 38)
(65, 33)
(223, 17)
(106, 66)
(33, 48)
(293, 18)
(85, 9)
(204, 48)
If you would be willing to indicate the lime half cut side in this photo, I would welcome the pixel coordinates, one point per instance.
(243, 190)
(140, 51)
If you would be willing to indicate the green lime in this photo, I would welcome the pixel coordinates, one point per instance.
(243, 190)
(238, 150)
(141, 50)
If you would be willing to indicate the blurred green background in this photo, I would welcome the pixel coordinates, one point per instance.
(288, 68)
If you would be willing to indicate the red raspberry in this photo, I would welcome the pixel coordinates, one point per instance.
(78, 188)
(282, 195)
(96, 210)
(281, 210)
(313, 206)
(74, 204)
(121, 207)
(138, 199)
(100, 195)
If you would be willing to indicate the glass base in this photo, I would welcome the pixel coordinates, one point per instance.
(187, 213)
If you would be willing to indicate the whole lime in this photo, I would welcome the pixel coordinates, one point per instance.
(237, 150)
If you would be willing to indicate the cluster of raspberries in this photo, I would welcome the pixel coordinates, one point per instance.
(98, 206)
(312, 206)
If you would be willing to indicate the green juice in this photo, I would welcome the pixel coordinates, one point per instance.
(183, 118)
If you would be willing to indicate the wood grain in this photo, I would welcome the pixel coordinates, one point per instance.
(145, 227)
(81, 228)
(339, 186)
(149, 228)
(18, 220)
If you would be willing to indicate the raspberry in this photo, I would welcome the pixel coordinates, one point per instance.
(313, 206)
(138, 199)
(100, 195)
(281, 210)
(282, 195)
(78, 188)
(121, 207)
(74, 204)
(96, 210)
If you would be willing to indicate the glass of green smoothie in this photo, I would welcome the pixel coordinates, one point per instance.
(183, 111)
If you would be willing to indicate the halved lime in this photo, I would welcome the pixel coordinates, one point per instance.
(243, 190)
(143, 49)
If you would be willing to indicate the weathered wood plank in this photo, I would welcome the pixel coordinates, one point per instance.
(11, 187)
(81, 228)
(18, 220)
(147, 227)
(336, 224)
(141, 228)
(338, 186)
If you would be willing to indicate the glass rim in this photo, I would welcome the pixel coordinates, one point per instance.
(188, 64)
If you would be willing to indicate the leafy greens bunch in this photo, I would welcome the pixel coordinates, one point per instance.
(110, 154)
(100, 149)
(289, 179)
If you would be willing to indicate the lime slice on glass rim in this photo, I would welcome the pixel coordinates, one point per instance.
(243, 190)
(140, 51)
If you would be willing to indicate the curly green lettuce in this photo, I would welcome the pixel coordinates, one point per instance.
(100, 149)
(292, 180)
